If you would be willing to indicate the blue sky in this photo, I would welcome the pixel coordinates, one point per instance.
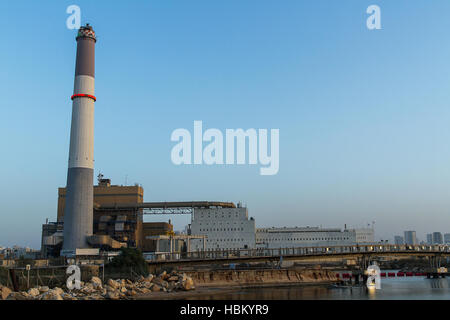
(363, 115)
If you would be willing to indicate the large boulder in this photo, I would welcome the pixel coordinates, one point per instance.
(43, 289)
(173, 278)
(143, 290)
(67, 296)
(164, 275)
(159, 281)
(88, 289)
(52, 295)
(188, 284)
(112, 295)
(4, 292)
(16, 296)
(131, 293)
(156, 288)
(57, 290)
(34, 292)
(113, 284)
(172, 286)
(96, 282)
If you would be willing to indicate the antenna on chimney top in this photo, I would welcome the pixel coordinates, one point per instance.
(99, 177)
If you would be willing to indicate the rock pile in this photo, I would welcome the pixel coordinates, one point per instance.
(112, 289)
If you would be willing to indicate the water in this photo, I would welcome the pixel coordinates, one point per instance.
(409, 288)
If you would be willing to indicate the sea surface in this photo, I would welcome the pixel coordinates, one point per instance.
(403, 288)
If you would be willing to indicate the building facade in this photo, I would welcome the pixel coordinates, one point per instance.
(447, 238)
(398, 240)
(410, 237)
(437, 238)
(273, 238)
(121, 225)
(111, 225)
(225, 228)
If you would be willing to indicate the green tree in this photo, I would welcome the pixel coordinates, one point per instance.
(129, 259)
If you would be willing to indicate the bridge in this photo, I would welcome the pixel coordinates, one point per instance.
(364, 254)
(183, 207)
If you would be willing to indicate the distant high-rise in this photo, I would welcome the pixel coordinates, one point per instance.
(410, 237)
(399, 240)
(437, 238)
(447, 238)
(429, 238)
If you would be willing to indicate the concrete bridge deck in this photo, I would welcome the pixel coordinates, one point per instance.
(313, 254)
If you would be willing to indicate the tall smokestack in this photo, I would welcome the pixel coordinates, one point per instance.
(78, 214)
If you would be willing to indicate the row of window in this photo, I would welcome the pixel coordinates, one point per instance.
(223, 229)
(224, 240)
(215, 216)
(307, 239)
(213, 224)
(228, 248)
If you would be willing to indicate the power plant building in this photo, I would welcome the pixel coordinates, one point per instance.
(224, 228)
(272, 238)
(230, 228)
(116, 223)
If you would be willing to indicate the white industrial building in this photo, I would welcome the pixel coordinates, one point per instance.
(302, 237)
(364, 235)
(231, 228)
(311, 237)
(225, 228)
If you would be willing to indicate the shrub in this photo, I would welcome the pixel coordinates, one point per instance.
(129, 259)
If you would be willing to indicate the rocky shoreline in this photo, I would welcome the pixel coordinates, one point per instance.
(120, 289)
(177, 285)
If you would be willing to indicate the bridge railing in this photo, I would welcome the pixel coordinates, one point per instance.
(294, 251)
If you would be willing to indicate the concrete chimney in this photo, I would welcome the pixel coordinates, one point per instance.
(78, 214)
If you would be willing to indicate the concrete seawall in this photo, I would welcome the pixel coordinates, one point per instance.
(224, 278)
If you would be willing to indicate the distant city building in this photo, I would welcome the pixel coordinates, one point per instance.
(429, 238)
(447, 238)
(410, 237)
(17, 252)
(399, 240)
(437, 238)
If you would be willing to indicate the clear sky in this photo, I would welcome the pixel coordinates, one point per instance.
(363, 115)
